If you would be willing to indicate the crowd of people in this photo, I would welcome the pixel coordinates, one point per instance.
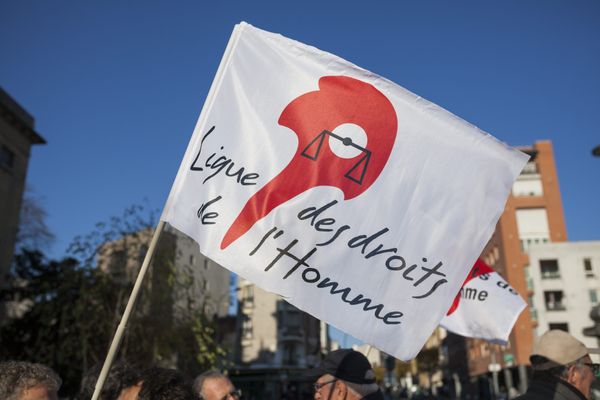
(343, 374)
(562, 369)
(20, 380)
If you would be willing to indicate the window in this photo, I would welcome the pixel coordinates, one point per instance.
(484, 351)
(289, 354)
(248, 295)
(554, 300)
(247, 328)
(118, 262)
(526, 186)
(532, 309)
(293, 321)
(561, 326)
(532, 224)
(528, 278)
(192, 259)
(549, 269)
(7, 158)
(529, 169)
(593, 296)
(587, 266)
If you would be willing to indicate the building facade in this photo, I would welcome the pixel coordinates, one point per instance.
(208, 285)
(17, 135)
(276, 343)
(566, 282)
(274, 333)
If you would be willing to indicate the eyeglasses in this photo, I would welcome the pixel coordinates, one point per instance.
(318, 386)
(594, 367)
(236, 394)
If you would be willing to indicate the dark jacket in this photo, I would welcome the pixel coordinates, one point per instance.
(374, 396)
(548, 387)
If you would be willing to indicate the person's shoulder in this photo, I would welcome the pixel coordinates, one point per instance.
(374, 396)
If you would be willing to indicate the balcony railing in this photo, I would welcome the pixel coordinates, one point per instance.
(291, 334)
(529, 169)
(550, 275)
(555, 307)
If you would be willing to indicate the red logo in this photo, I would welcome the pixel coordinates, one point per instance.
(480, 268)
(314, 117)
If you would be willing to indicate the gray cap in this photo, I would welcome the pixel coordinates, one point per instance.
(559, 348)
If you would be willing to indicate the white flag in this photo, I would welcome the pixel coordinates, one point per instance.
(486, 307)
(354, 199)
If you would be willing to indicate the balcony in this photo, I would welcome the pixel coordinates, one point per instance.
(555, 307)
(528, 242)
(550, 275)
(549, 269)
(291, 334)
(554, 301)
(530, 169)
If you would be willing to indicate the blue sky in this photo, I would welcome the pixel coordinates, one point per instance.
(116, 87)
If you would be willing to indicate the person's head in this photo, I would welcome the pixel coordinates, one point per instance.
(561, 355)
(213, 385)
(21, 380)
(159, 384)
(344, 374)
(119, 377)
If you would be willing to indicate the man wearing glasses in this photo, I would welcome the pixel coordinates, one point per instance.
(345, 374)
(562, 368)
(213, 385)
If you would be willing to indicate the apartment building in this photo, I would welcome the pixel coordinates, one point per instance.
(274, 333)
(209, 286)
(276, 343)
(566, 282)
(17, 135)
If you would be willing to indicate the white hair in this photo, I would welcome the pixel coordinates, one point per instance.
(362, 389)
(199, 381)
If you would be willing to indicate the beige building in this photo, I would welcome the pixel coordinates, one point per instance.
(209, 284)
(17, 135)
(272, 332)
(275, 344)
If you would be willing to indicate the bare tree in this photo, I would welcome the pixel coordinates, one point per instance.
(33, 233)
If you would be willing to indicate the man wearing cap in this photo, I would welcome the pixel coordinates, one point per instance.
(562, 368)
(345, 374)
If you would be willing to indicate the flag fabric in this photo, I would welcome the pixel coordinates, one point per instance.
(486, 307)
(354, 199)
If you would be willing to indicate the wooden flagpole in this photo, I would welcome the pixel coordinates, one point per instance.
(114, 346)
